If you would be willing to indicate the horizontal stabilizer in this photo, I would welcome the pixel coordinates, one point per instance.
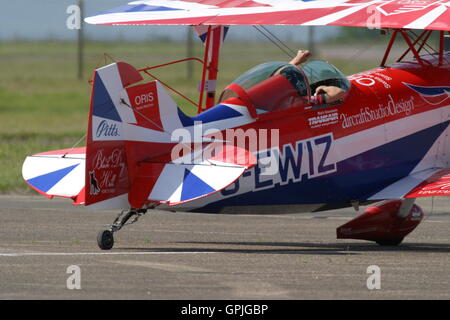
(175, 183)
(57, 173)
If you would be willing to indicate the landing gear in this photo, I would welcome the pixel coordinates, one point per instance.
(386, 222)
(105, 238)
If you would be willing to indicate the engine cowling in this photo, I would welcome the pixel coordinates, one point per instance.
(382, 224)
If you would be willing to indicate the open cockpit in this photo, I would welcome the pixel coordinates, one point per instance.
(279, 85)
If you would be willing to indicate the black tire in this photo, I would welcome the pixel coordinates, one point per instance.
(105, 240)
(390, 242)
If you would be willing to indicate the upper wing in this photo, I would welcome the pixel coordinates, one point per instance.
(426, 183)
(412, 14)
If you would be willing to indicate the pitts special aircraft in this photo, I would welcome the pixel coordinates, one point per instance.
(386, 142)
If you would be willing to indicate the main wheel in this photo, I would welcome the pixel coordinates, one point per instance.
(390, 242)
(105, 240)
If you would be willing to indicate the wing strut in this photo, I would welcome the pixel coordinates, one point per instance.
(213, 42)
(416, 44)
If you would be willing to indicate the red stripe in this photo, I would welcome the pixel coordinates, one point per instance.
(80, 150)
(80, 197)
(143, 180)
(128, 74)
(280, 17)
(441, 23)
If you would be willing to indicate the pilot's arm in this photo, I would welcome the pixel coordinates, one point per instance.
(301, 57)
(330, 94)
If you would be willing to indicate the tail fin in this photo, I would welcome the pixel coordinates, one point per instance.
(129, 145)
(106, 174)
(128, 123)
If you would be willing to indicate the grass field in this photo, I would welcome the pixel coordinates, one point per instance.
(43, 106)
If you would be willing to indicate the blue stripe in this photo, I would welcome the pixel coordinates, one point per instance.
(205, 34)
(185, 120)
(429, 91)
(203, 37)
(139, 8)
(103, 106)
(357, 178)
(225, 32)
(194, 187)
(47, 181)
(216, 113)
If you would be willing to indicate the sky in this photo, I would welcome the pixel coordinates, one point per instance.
(46, 19)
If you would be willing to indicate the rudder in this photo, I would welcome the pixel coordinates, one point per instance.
(106, 174)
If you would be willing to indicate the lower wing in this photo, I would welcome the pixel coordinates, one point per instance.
(426, 183)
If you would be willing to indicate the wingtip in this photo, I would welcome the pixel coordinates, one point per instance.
(92, 20)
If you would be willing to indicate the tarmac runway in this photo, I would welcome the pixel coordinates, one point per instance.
(199, 256)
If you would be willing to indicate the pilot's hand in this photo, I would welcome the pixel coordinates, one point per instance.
(333, 93)
(302, 56)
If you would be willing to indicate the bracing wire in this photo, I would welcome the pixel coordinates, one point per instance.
(75, 144)
(279, 44)
(293, 53)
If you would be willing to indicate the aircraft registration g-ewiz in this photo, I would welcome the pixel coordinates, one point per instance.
(386, 142)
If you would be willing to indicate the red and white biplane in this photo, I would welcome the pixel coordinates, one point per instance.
(263, 146)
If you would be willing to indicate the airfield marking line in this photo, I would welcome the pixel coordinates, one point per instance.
(205, 232)
(24, 254)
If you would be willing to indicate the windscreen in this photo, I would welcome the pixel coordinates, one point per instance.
(321, 73)
(258, 74)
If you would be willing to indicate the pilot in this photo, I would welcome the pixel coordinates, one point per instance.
(323, 94)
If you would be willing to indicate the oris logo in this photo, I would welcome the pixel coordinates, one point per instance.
(144, 98)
